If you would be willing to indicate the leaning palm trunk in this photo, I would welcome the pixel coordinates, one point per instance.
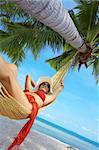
(52, 14)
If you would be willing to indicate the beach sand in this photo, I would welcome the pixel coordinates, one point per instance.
(34, 141)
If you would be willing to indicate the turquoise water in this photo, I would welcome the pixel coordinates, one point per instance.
(64, 135)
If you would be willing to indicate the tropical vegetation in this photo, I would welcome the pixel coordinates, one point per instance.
(20, 33)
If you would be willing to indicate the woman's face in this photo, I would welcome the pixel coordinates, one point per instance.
(45, 87)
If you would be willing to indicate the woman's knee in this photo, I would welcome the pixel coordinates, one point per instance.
(13, 68)
(7, 76)
(7, 72)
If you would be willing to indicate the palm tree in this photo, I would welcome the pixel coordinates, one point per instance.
(21, 37)
(59, 40)
(87, 22)
(53, 15)
(38, 35)
(20, 33)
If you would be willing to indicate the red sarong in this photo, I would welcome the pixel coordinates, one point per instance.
(26, 128)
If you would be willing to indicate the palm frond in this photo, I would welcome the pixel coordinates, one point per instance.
(10, 10)
(33, 36)
(93, 33)
(59, 61)
(96, 69)
(87, 15)
(21, 32)
(75, 20)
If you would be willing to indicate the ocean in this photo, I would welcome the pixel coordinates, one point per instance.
(64, 135)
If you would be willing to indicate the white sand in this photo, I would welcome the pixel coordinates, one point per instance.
(34, 141)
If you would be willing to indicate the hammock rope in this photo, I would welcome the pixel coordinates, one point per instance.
(57, 78)
(60, 75)
(11, 108)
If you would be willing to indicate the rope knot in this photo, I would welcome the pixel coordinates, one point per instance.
(82, 58)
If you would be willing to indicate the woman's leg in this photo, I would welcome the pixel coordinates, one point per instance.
(8, 79)
(13, 68)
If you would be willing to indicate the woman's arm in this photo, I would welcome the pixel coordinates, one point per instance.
(29, 83)
(52, 97)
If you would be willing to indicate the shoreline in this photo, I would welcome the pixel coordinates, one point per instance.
(34, 141)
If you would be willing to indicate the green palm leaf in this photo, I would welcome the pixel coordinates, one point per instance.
(10, 10)
(93, 34)
(59, 61)
(87, 15)
(21, 33)
(33, 36)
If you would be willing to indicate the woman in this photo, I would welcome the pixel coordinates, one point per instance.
(33, 100)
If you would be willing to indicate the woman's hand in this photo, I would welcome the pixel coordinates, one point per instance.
(33, 84)
(29, 83)
(54, 95)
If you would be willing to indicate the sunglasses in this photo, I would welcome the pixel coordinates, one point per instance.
(45, 84)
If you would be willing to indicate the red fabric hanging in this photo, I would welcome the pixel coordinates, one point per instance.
(41, 94)
(26, 128)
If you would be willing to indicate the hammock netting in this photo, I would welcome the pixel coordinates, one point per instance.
(12, 109)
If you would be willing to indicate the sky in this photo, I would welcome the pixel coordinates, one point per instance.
(76, 107)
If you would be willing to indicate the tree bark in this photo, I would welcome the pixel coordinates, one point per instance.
(54, 15)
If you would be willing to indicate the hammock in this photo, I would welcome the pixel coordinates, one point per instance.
(57, 78)
(11, 108)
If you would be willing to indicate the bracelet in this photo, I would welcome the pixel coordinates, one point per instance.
(26, 90)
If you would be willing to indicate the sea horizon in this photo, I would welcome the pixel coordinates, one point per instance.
(64, 135)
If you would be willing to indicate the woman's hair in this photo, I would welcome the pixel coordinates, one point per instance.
(45, 84)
